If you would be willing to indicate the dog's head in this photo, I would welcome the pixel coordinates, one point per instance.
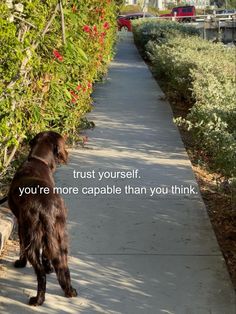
(50, 147)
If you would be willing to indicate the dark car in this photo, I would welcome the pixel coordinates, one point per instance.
(124, 22)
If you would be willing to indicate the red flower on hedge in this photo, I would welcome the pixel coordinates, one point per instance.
(86, 29)
(90, 85)
(95, 29)
(78, 87)
(57, 55)
(106, 25)
(74, 96)
(101, 40)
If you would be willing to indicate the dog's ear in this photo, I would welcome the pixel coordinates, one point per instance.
(60, 153)
(35, 139)
(55, 150)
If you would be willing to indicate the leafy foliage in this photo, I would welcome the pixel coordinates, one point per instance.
(202, 73)
(46, 83)
(159, 31)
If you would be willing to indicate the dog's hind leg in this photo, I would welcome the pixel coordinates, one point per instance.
(63, 275)
(46, 264)
(22, 261)
(34, 259)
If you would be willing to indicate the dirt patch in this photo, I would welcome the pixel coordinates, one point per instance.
(221, 210)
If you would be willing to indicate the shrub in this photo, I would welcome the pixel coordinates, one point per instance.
(159, 31)
(203, 74)
(126, 9)
(46, 80)
(153, 10)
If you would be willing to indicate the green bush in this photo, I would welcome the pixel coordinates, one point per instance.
(158, 31)
(46, 81)
(126, 9)
(203, 74)
(153, 10)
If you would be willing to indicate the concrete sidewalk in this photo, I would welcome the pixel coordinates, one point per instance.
(136, 253)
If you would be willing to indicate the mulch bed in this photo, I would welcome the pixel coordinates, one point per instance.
(221, 207)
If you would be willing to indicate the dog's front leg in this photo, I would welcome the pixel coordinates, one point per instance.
(40, 297)
(22, 261)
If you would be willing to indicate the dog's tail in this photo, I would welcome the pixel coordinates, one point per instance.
(39, 234)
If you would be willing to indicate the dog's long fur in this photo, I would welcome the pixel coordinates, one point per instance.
(42, 217)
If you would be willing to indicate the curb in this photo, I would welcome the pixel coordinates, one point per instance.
(7, 223)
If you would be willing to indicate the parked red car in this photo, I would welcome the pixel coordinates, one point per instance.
(182, 14)
(124, 21)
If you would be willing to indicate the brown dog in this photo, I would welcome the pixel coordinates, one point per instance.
(41, 213)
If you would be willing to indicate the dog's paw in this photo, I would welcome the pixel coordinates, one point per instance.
(20, 263)
(71, 293)
(35, 301)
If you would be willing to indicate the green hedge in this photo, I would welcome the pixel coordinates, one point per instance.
(46, 81)
(203, 73)
(158, 31)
